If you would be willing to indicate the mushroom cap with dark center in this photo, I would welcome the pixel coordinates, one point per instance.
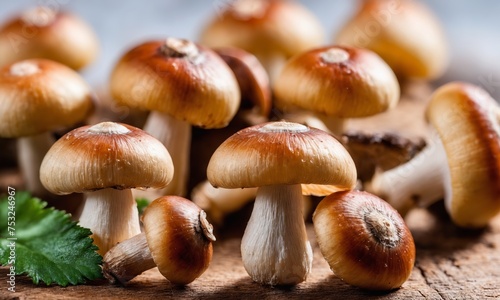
(177, 77)
(106, 155)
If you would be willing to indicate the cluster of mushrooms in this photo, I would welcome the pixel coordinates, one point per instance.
(284, 103)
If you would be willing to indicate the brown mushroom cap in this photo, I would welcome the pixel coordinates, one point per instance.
(278, 153)
(39, 95)
(406, 34)
(44, 33)
(106, 155)
(263, 26)
(338, 81)
(176, 77)
(179, 238)
(468, 122)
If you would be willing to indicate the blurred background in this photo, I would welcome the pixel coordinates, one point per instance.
(471, 28)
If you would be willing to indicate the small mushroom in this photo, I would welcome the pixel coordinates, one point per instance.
(405, 33)
(336, 83)
(278, 157)
(364, 240)
(271, 30)
(38, 96)
(177, 238)
(105, 161)
(461, 164)
(45, 33)
(182, 84)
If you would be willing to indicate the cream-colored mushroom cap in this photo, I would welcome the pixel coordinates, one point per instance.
(338, 81)
(106, 155)
(177, 77)
(263, 26)
(468, 122)
(44, 33)
(39, 95)
(405, 33)
(281, 153)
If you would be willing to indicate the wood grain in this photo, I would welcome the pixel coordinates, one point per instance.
(452, 263)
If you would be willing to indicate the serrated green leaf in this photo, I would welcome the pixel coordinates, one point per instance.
(50, 247)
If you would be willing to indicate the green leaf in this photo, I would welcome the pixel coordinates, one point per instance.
(49, 246)
(142, 203)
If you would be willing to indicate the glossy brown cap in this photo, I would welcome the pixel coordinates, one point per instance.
(263, 27)
(40, 95)
(338, 81)
(252, 78)
(468, 122)
(179, 238)
(44, 33)
(364, 240)
(177, 77)
(105, 155)
(281, 153)
(405, 33)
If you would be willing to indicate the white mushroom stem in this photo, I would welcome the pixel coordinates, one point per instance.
(274, 248)
(273, 63)
(333, 125)
(127, 260)
(420, 182)
(32, 150)
(219, 202)
(176, 136)
(112, 217)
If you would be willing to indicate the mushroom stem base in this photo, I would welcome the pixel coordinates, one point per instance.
(112, 217)
(274, 248)
(127, 260)
(32, 150)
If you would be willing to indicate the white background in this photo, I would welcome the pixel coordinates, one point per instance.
(472, 27)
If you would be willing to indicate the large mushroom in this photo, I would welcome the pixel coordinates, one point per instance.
(273, 30)
(182, 84)
(278, 157)
(461, 164)
(105, 161)
(38, 96)
(42, 32)
(405, 33)
(336, 83)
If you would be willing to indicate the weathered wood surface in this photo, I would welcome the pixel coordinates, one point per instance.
(451, 264)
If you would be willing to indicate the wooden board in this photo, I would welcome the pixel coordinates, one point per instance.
(451, 263)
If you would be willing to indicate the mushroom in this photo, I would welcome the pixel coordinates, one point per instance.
(337, 82)
(271, 30)
(38, 96)
(461, 163)
(45, 33)
(183, 84)
(364, 240)
(105, 161)
(177, 238)
(405, 33)
(278, 157)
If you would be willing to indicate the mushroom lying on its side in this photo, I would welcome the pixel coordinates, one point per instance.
(461, 164)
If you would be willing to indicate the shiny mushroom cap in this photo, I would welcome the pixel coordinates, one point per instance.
(39, 95)
(44, 33)
(105, 155)
(179, 78)
(337, 81)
